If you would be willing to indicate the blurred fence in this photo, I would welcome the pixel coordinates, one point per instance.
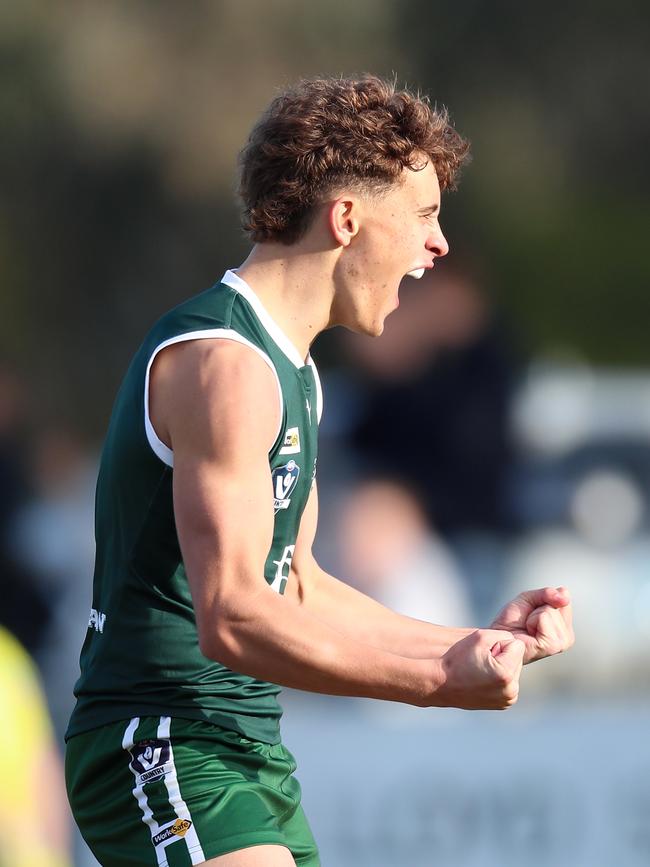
(562, 784)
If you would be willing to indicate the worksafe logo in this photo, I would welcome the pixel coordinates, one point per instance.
(291, 442)
(178, 829)
(149, 759)
(285, 479)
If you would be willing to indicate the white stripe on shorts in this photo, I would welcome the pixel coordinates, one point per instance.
(176, 799)
(138, 792)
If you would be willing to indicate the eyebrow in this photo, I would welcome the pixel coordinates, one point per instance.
(431, 209)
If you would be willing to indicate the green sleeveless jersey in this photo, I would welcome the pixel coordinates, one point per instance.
(141, 655)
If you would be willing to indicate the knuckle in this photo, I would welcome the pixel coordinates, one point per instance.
(509, 697)
(512, 693)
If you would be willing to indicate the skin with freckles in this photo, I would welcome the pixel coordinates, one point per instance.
(348, 267)
(382, 239)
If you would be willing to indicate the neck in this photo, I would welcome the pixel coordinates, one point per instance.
(295, 285)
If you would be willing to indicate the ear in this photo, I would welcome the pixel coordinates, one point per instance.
(343, 219)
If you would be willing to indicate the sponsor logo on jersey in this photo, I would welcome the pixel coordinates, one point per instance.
(291, 444)
(178, 829)
(284, 479)
(96, 620)
(149, 759)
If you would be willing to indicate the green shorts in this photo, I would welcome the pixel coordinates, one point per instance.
(173, 792)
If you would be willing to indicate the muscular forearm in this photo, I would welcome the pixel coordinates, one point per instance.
(273, 638)
(358, 616)
(276, 639)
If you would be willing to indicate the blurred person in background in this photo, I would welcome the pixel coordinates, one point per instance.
(52, 537)
(390, 553)
(206, 593)
(25, 608)
(438, 386)
(35, 818)
(601, 539)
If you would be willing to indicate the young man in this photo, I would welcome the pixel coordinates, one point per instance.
(206, 592)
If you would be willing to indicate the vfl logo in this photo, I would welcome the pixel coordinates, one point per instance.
(149, 758)
(178, 829)
(285, 479)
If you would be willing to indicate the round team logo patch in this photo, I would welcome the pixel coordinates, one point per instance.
(285, 479)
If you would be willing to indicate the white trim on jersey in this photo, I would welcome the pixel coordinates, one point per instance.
(319, 388)
(230, 278)
(159, 448)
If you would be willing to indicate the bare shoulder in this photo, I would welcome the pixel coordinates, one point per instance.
(202, 389)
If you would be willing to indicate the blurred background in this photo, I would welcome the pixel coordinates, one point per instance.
(495, 438)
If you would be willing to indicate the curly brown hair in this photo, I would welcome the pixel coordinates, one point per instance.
(325, 133)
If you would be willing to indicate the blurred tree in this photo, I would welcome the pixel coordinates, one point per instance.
(121, 122)
(551, 98)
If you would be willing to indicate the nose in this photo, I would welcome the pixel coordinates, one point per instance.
(437, 243)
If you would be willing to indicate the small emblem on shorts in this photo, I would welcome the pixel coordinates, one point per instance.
(178, 829)
(149, 758)
(285, 479)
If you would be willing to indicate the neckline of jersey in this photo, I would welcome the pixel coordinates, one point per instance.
(230, 278)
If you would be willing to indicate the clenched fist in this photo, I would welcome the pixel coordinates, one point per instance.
(541, 619)
(481, 672)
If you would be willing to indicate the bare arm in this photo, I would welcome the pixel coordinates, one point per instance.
(215, 403)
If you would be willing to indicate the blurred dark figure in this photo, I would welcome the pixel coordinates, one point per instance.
(53, 537)
(435, 413)
(23, 606)
(440, 380)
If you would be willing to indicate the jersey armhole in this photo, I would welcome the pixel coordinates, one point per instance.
(159, 448)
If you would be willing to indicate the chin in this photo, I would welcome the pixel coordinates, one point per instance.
(371, 329)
